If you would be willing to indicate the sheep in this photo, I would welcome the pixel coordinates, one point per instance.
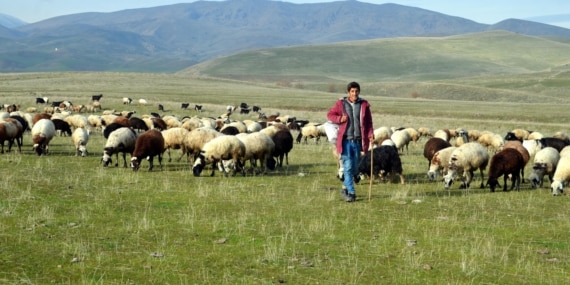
(311, 131)
(95, 122)
(218, 149)
(440, 162)
(78, 121)
(518, 134)
(507, 162)
(240, 126)
(138, 124)
(96, 106)
(121, 140)
(96, 97)
(143, 102)
(381, 134)
(61, 127)
(556, 143)
(196, 139)
(525, 155)
(43, 132)
(111, 128)
(184, 106)
(467, 158)
(545, 162)
(563, 136)
(198, 108)
(414, 134)
(127, 101)
(10, 130)
(565, 151)
(174, 139)
(473, 135)
(191, 123)
(493, 142)
(442, 134)
(401, 138)
(148, 145)
(230, 130)
(252, 126)
(161, 107)
(561, 175)
(171, 121)
(271, 130)
(532, 146)
(283, 140)
(535, 136)
(40, 116)
(42, 100)
(432, 146)
(123, 121)
(425, 132)
(461, 138)
(258, 146)
(386, 160)
(80, 137)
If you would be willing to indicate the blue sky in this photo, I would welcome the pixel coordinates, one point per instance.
(482, 11)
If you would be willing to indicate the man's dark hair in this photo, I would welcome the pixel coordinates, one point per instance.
(351, 85)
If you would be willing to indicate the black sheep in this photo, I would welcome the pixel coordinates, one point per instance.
(283, 145)
(386, 161)
(556, 143)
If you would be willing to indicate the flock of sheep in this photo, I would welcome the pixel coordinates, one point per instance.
(227, 145)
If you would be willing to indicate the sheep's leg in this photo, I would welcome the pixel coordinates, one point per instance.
(214, 165)
(160, 160)
(482, 178)
(505, 177)
(150, 163)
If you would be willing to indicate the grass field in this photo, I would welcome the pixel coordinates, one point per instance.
(68, 220)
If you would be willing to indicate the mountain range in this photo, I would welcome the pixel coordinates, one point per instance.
(173, 37)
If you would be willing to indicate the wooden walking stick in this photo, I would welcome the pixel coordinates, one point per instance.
(371, 172)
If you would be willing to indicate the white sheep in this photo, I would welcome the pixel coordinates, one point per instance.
(442, 134)
(381, 134)
(401, 138)
(272, 129)
(143, 102)
(252, 126)
(561, 175)
(192, 123)
(80, 137)
(311, 131)
(535, 136)
(414, 134)
(78, 121)
(466, 159)
(127, 100)
(440, 162)
(258, 146)
(120, 140)
(43, 132)
(240, 126)
(171, 121)
(174, 139)
(95, 122)
(565, 151)
(220, 148)
(545, 162)
(195, 140)
(532, 146)
(425, 132)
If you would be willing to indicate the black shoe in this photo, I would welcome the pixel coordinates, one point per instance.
(350, 198)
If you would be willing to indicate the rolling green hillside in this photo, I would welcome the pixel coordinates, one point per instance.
(430, 68)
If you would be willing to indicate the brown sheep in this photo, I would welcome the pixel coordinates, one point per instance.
(506, 162)
(148, 145)
(518, 146)
(432, 146)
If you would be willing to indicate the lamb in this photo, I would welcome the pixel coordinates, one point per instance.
(401, 138)
(258, 146)
(218, 149)
(440, 162)
(43, 132)
(121, 140)
(283, 140)
(507, 162)
(386, 161)
(561, 175)
(545, 162)
(174, 139)
(467, 158)
(432, 146)
(80, 137)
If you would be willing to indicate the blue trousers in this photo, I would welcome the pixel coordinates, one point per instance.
(350, 158)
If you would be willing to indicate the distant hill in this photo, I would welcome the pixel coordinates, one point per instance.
(395, 59)
(173, 37)
(10, 22)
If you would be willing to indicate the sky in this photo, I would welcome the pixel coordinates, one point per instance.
(481, 11)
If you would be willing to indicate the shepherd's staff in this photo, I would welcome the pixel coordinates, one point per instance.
(371, 171)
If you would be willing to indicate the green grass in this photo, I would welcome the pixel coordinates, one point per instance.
(68, 220)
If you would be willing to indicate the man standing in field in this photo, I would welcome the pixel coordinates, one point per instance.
(355, 133)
